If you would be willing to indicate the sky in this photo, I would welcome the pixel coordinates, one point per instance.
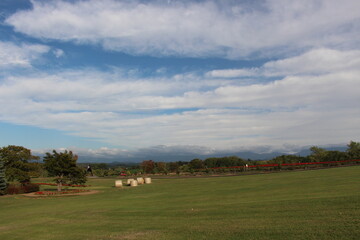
(119, 78)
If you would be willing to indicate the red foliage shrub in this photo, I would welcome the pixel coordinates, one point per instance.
(22, 188)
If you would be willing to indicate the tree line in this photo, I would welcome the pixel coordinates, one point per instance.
(17, 164)
(209, 165)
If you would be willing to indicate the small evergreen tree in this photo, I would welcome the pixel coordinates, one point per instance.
(2, 177)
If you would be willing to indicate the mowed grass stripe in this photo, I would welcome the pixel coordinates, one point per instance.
(322, 204)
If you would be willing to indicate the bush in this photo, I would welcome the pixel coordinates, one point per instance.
(22, 188)
(31, 187)
(2, 178)
(100, 172)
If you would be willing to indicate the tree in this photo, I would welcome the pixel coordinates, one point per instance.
(196, 164)
(161, 167)
(173, 166)
(148, 166)
(353, 150)
(17, 163)
(63, 166)
(336, 156)
(211, 162)
(317, 154)
(288, 159)
(2, 177)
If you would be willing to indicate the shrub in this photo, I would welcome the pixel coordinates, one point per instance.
(100, 172)
(2, 178)
(22, 188)
(31, 187)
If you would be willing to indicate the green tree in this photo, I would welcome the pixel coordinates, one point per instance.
(317, 154)
(184, 168)
(211, 162)
(17, 163)
(353, 150)
(196, 164)
(173, 166)
(2, 177)
(336, 156)
(37, 170)
(161, 167)
(288, 159)
(63, 166)
(228, 161)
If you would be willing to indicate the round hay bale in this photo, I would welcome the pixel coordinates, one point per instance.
(133, 183)
(128, 182)
(118, 183)
(147, 180)
(140, 180)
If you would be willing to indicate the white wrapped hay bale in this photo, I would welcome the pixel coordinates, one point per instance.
(118, 183)
(133, 183)
(140, 180)
(128, 182)
(147, 180)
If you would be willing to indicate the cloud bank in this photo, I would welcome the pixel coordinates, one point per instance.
(195, 29)
(306, 92)
(305, 106)
(22, 55)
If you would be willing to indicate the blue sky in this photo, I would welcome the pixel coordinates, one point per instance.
(116, 78)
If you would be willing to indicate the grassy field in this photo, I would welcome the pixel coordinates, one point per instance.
(321, 204)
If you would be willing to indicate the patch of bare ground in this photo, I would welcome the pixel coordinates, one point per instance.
(5, 228)
(135, 235)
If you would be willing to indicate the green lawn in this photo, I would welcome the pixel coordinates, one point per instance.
(321, 204)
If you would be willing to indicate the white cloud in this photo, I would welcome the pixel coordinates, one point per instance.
(305, 107)
(196, 29)
(12, 55)
(232, 73)
(317, 61)
(314, 62)
(58, 53)
(102, 152)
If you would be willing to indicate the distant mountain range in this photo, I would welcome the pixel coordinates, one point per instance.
(188, 156)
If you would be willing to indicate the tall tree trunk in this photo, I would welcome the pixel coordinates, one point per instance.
(59, 184)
